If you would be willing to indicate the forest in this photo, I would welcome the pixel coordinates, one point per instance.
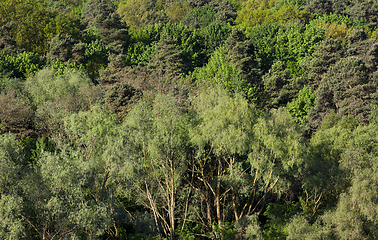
(188, 119)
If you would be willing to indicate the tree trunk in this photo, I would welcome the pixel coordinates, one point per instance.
(217, 197)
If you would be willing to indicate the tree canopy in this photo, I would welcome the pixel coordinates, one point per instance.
(188, 119)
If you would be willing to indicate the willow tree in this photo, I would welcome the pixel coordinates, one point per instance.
(241, 160)
(158, 148)
(221, 137)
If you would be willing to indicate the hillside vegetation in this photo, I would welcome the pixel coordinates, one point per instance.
(188, 119)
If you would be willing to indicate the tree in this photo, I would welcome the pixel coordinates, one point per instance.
(177, 10)
(276, 157)
(277, 85)
(133, 12)
(267, 12)
(290, 44)
(264, 38)
(327, 53)
(64, 199)
(353, 215)
(361, 46)
(295, 41)
(219, 70)
(73, 89)
(16, 115)
(345, 88)
(320, 6)
(199, 17)
(20, 65)
(255, 158)
(167, 65)
(64, 48)
(233, 67)
(95, 57)
(57, 196)
(159, 148)
(343, 153)
(240, 51)
(226, 11)
(299, 108)
(258, 8)
(101, 16)
(212, 37)
(7, 44)
(142, 44)
(56, 95)
(364, 10)
(88, 132)
(221, 137)
(34, 25)
(12, 161)
(121, 97)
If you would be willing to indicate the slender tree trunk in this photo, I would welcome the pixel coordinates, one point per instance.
(172, 215)
(208, 208)
(234, 206)
(217, 197)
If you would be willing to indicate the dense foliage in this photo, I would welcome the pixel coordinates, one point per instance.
(188, 119)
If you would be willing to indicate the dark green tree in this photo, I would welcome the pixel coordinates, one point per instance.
(7, 44)
(279, 86)
(226, 11)
(102, 18)
(240, 51)
(325, 55)
(365, 11)
(101, 15)
(167, 65)
(199, 17)
(361, 46)
(320, 6)
(64, 48)
(212, 37)
(346, 89)
(121, 97)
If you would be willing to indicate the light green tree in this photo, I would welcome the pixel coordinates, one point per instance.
(275, 158)
(222, 136)
(58, 196)
(298, 108)
(12, 160)
(159, 145)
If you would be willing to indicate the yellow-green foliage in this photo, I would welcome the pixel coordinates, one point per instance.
(374, 34)
(336, 31)
(258, 5)
(254, 11)
(33, 25)
(177, 11)
(258, 12)
(133, 12)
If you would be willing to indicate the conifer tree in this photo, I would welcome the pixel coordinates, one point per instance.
(240, 52)
(102, 16)
(167, 65)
